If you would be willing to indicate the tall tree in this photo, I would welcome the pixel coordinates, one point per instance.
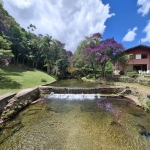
(5, 52)
(91, 41)
(108, 50)
(46, 52)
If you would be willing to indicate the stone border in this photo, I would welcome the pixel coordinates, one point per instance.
(13, 103)
(4, 100)
(18, 102)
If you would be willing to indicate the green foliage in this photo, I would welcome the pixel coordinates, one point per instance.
(147, 105)
(16, 77)
(109, 68)
(43, 80)
(123, 60)
(89, 76)
(1, 2)
(121, 72)
(5, 52)
(133, 74)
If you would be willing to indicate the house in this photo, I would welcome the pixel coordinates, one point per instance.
(140, 61)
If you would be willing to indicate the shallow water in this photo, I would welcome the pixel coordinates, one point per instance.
(110, 124)
(75, 83)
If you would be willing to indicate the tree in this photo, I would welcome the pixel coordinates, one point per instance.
(108, 50)
(5, 52)
(122, 61)
(83, 58)
(46, 51)
(1, 3)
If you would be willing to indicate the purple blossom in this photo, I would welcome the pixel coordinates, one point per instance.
(107, 106)
(40, 35)
(69, 53)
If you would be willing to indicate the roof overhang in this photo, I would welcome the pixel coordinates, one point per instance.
(138, 46)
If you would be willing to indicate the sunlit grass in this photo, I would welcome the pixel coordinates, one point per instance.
(14, 78)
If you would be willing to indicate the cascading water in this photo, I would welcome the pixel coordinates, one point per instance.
(74, 96)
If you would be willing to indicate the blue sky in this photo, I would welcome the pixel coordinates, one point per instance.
(69, 21)
(127, 18)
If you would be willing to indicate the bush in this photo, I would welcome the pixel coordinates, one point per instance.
(147, 106)
(133, 74)
(109, 72)
(89, 76)
(43, 80)
(121, 72)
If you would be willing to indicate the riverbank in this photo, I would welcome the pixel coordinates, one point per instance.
(140, 94)
(14, 78)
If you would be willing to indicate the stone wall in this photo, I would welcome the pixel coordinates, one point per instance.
(46, 90)
(143, 81)
(19, 101)
(4, 100)
(11, 106)
(140, 98)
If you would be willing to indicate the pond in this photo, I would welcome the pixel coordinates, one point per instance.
(84, 124)
(75, 83)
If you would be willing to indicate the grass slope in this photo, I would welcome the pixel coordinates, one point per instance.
(15, 78)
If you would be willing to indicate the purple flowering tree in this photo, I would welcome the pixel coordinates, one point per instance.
(81, 56)
(108, 50)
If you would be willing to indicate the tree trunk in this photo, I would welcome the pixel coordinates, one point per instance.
(103, 70)
(94, 70)
(48, 68)
(17, 59)
(36, 64)
(33, 64)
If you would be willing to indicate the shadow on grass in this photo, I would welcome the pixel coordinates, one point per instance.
(6, 83)
(16, 68)
(10, 74)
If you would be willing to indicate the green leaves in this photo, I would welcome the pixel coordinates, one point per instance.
(5, 52)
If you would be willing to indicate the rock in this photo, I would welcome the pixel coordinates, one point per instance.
(21, 100)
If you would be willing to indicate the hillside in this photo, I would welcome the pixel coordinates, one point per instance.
(14, 78)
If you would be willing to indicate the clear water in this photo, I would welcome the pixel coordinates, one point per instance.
(75, 83)
(110, 124)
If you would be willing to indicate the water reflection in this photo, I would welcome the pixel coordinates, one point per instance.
(110, 124)
(75, 83)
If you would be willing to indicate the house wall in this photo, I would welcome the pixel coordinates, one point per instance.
(129, 68)
(140, 50)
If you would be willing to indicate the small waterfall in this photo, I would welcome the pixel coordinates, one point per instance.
(74, 96)
(77, 90)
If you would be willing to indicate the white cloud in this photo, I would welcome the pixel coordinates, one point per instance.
(147, 31)
(65, 20)
(145, 7)
(130, 36)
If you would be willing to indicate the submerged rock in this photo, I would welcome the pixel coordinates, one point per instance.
(144, 131)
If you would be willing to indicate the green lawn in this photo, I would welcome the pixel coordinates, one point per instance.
(15, 78)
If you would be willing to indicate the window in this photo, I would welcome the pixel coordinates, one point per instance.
(144, 56)
(138, 56)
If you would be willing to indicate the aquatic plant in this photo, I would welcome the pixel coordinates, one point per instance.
(107, 106)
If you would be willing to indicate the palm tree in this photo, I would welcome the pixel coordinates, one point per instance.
(46, 52)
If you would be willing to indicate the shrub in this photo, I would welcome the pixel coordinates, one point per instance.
(133, 74)
(109, 72)
(43, 80)
(89, 76)
(121, 72)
